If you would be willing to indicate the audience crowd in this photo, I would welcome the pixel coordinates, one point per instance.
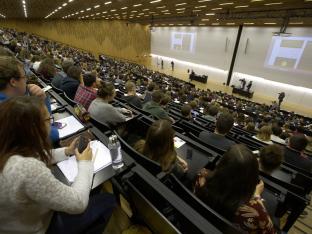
(95, 84)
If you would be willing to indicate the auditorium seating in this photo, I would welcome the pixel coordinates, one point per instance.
(173, 207)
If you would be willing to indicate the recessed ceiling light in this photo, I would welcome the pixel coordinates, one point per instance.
(273, 3)
(243, 6)
(181, 4)
(226, 3)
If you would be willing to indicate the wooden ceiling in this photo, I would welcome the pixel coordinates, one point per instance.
(165, 12)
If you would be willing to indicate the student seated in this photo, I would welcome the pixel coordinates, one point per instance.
(13, 84)
(264, 135)
(294, 153)
(217, 139)
(47, 69)
(71, 83)
(270, 158)
(131, 97)
(159, 146)
(211, 113)
(86, 93)
(276, 133)
(60, 76)
(250, 127)
(32, 200)
(148, 94)
(102, 111)
(153, 107)
(186, 112)
(234, 191)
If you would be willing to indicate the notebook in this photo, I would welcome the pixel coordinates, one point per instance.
(54, 106)
(178, 142)
(101, 157)
(72, 126)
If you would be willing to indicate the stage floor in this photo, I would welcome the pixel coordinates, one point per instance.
(181, 73)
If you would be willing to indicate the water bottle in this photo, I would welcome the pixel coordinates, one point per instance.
(115, 152)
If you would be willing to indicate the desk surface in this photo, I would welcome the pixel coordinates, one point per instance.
(198, 160)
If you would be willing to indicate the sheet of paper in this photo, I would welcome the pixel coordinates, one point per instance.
(54, 106)
(178, 142)
(72, 126)
(100, 155)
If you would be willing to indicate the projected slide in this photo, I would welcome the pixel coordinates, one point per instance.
(292, 54)
(182, 41)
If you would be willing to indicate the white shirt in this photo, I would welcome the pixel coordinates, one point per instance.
(29, 193)
(266, 142)
(277, 139)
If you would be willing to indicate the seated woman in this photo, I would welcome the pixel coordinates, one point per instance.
(102, 111)
(232, 189)
(159, 146)
(29, 193)
(264, 135)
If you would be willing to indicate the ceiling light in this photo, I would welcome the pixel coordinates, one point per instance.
(180, 4)
(295, 23)
(226, 3)
(155, 1)
(273, 3)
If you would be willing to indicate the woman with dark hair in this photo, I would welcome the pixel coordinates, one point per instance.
(232, 189)
(29, 192)
(159, 146)
(102, 111)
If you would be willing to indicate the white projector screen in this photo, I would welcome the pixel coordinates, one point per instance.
(211, 46)
(290, 54)
(282, 59)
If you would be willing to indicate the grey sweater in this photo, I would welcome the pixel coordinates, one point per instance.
(105, 113)
(29, 193)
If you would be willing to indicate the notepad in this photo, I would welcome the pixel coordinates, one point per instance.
(178, 142)
(101, 157)
(72, 126)
(54, 106)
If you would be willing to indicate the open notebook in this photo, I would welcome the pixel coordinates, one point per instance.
(101, 158)
(178, 142)
(72, 126)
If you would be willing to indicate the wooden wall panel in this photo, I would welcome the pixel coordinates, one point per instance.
(114, 38)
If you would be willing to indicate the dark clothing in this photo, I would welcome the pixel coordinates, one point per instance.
(281, 97)
(58, 78)
(297, 159)
(148, 96)
(155, 110)
(92, 220)
(133, 100)
(216, 140)
(70, 86)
